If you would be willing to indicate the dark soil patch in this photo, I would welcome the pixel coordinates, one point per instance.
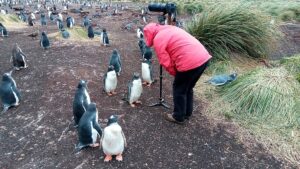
(39, 132)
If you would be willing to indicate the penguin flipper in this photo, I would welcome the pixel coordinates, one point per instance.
(97, 127)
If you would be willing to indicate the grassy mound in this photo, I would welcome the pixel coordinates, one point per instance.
(265, 95)
(76, 34)
(11, 21)
(233, 29)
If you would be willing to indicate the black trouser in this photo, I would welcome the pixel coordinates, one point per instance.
(183, 85)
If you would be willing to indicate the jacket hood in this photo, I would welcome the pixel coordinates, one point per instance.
(150, 32)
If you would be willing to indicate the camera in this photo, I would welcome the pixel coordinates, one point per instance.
(166, 8)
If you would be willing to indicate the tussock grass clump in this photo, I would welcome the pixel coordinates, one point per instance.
(11, 21)
(265, 95)
(76, 34)
(233, 29)
(292, 64)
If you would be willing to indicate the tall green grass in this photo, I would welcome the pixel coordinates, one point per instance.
(240, 29)
(265, 95)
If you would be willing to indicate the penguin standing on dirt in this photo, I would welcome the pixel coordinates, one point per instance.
(59, 24)
(60, 17)
(70, 22)
(86, 21)
(3, 31)
(65, 34)
(110, 81)
(81, 101)
(88, 128)
(147, 72)
(139, 33)
(113, 140)
(43, 19)
(147, 53)
(18, 58)
(142, 46)
(104, 38)
(135, 90)
(91, 34)
(44, 42)
(10, 95)
(115, 60)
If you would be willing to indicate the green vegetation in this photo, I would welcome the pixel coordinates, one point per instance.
(233, 29)
(265, 95)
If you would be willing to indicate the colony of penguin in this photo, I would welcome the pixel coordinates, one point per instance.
(85, 113)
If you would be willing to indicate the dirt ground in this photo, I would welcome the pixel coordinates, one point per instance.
(39, 133)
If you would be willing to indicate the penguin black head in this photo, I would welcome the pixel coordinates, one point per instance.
(112, 119)
(104, 30)
(110, 68)
(43, 33)
(82, 84)
(136, 76)
(115, 52)
(6, 77)
(92, 107)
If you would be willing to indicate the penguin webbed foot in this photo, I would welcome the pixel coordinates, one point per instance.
(119, 157)
(94, 145)
(132, 105)
(107, 158)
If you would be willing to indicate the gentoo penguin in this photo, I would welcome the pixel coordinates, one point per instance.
(139, 33)
(43, 19)
(60, 17)
(88, 128)
(147, 72)
(51, 16)
(91, 34)
(70, 22)
(86, 21)
(113, 140)
(44, 42)
(10, 95)
(104, 38)
(135, 90)
(65, 34)
(81, 101)
(110, 81)
(115, 60)
(147, 53)
(142, 46)
(3, 31)
(59, 24)
(18, 58)
(30, 21)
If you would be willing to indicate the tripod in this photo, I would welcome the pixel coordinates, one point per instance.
(161, 100)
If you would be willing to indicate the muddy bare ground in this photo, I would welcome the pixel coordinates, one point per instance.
(39, 132)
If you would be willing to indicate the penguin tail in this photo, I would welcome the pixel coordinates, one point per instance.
(125, 97)
(5, 108)
(79, 147)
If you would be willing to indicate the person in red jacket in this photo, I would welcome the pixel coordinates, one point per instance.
(184, 57)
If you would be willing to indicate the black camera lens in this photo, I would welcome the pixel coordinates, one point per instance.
(157, 7)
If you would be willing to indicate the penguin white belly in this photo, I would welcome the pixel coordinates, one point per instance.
(146, 74)
(42, 43)
(101, 37)
(94, 133)
(16, 97)
(136, 91)
(111, 81)
(113, 141)
(87, 96)
(23, 60)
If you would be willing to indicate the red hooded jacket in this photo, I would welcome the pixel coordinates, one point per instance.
(176, 49)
